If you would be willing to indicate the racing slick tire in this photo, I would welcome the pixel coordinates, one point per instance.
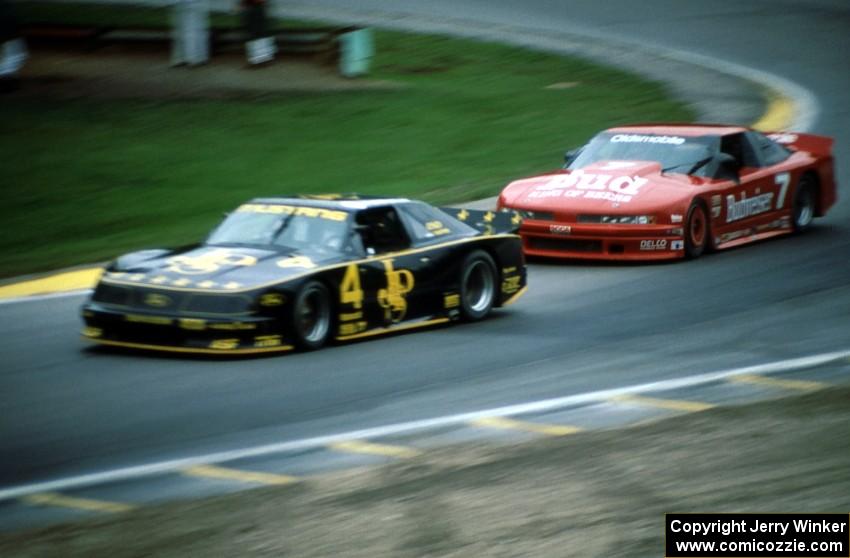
(804, 206)
(477, 286)
(696, 231)
(311, 316)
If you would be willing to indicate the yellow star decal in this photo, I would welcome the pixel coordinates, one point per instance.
(463, 215)
(488, 217)
(516, 219)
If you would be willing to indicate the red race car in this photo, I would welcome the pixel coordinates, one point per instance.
(664, 191)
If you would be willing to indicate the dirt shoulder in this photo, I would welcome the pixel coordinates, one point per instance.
(133, 72)
(592, 494)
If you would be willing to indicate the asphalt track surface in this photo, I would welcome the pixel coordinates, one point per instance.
(66, 410)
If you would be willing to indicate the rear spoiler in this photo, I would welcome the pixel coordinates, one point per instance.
(816, 145)
(487, 222)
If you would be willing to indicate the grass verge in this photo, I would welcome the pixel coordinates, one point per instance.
(86, 179)
(593, 494)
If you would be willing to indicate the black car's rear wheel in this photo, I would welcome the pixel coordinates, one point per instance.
(805, 204)
(696, 231)
(477, 285)
(311, 316)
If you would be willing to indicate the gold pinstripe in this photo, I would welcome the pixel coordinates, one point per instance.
(401, 327)
(515, 296)
(166, 348)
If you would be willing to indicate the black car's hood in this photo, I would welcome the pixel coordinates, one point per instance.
(216, 268)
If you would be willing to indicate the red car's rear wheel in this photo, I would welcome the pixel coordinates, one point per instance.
(804, 205)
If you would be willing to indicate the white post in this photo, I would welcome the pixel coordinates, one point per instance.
(190, 32)
(13, 54)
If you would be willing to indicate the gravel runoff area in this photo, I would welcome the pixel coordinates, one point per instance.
(599, 493)
(132, 72)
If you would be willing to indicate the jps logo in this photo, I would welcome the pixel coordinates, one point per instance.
(208, 262)
(392, 299)
(157, 300)
(560, 229)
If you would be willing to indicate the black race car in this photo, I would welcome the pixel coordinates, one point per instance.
(294, 272)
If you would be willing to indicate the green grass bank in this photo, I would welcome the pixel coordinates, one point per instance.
(88, 178)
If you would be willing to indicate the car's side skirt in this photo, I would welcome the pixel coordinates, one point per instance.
(750, 238)
(393, 329)
(188, 350)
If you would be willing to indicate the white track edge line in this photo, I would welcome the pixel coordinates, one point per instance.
(151, 469)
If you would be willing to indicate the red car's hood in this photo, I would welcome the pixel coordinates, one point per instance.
(633, 187)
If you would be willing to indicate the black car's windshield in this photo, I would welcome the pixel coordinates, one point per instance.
(679, 154)
(289, 226)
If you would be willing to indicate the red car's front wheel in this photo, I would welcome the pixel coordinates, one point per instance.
(696, 231)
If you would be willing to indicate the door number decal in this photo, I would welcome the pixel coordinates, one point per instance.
(783, 179)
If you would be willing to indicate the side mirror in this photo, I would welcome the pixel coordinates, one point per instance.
(570, 155)
(728, 166)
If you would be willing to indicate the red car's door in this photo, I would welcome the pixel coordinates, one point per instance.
(760, 198)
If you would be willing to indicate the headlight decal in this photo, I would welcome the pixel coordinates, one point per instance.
(617, 219)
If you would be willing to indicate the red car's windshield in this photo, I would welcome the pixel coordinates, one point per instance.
(675, 153)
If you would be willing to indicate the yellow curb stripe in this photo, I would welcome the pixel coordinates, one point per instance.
(669, 404)
(779, 114)
(536, 428)
(801, 385)
(358, 446)
(59, 500)
(59, 283)
(215, 472)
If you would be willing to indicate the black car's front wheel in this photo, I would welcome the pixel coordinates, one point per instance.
(311, 316)
(477, 285)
